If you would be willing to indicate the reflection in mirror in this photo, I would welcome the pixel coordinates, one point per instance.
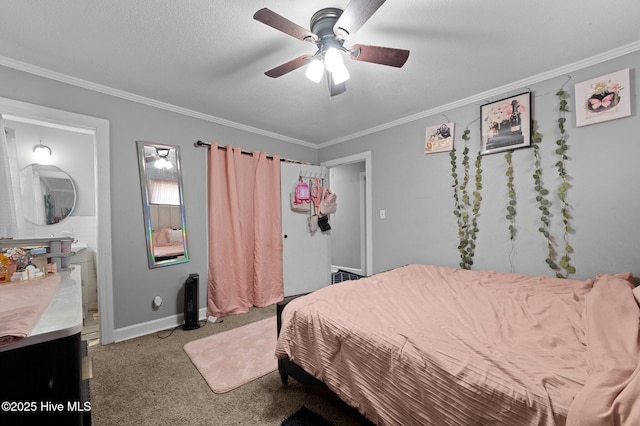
(48, 194)
(163, 207)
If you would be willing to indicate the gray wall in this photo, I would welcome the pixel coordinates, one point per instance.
(415, 189)
(134, 285)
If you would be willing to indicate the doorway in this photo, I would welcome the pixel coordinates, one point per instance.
(71, 156)
(358, 204)
(348, 244)
(98, 129)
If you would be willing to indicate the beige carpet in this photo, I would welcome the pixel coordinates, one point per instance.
(150, 381)
(233, 358)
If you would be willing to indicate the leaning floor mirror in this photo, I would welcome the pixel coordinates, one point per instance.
(162, 204)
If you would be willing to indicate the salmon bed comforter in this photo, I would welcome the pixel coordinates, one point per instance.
(429, 345)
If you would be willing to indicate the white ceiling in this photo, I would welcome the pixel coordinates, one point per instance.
(208, 58)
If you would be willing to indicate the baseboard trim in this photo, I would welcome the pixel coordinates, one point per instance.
(160, 324)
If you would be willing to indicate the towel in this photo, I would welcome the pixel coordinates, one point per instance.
(21, 305)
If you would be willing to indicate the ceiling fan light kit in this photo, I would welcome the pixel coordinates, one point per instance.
(163, 162)
(330, 27)
(315, 71)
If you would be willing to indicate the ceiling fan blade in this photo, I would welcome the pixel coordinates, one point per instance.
(335, 89)
(379, 55)
(293, 64)
(354, 16)
(280, 23)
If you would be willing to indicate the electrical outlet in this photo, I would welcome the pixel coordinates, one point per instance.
(383, 214)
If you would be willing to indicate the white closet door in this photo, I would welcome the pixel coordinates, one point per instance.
(306, 256)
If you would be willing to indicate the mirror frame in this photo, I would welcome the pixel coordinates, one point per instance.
(146, 206)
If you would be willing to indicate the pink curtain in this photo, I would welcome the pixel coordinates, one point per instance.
(245, 243)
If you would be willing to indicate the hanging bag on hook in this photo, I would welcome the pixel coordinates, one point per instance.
(312, 221)
(301, 206)
(323, 223)
(328, 204)
(316, 192)
(300, 199)
(302, 191)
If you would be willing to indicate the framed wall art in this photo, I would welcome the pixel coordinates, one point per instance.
(604, 98)
(439, 138)
(506, 124)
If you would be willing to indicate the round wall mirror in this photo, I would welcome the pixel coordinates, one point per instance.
(48, 194)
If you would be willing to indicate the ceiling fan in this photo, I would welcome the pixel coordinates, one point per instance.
(330, 27)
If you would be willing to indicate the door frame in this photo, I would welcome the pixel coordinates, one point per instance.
(357, 158)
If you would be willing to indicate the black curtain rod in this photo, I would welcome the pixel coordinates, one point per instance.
(286, 160)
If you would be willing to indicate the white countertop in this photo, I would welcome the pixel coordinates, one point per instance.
(63, 316)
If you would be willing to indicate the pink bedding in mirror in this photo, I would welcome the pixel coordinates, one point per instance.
(167, 243)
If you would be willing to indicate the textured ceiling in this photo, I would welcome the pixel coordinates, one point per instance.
(209, 57)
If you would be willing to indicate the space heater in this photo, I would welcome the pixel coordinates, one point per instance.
(191, 303)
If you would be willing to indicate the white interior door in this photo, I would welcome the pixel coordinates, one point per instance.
(306, 256)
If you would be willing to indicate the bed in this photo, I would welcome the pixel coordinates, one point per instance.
(167, 244)
(429, 345)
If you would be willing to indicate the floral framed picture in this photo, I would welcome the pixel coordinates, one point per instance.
(604, 98)
(439, 138)
(506, 124)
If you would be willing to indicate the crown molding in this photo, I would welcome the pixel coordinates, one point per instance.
(64, 78)
(481, 97)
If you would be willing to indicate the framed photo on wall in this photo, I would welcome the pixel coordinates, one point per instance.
(439, 138)
(506, 124)
(604, 98)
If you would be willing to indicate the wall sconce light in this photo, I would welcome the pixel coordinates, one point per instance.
(42, 153)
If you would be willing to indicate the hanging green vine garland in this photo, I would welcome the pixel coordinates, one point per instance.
(541, 198)
(511, 207)
(565, 260)
(477, 198)
(467, 223)
(459, 211)
(458, 207)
